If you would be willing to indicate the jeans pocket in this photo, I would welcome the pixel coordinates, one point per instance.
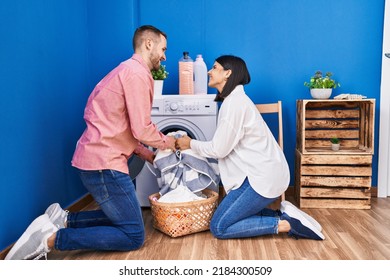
(94, 182)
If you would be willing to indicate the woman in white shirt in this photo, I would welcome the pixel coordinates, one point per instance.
(253, 168)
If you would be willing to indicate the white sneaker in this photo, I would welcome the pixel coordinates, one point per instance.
(57, 215)
(33, 242)
(287, 206)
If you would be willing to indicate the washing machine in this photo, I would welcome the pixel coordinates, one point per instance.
(194, 114)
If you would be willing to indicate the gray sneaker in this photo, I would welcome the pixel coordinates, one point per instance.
(287, 206)
(33, 242)
(57, 215)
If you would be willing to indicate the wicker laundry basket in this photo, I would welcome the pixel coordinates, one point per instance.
(178, 219)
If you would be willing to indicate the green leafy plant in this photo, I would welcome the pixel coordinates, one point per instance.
(335, 140)
(318, 81)
(160, 74)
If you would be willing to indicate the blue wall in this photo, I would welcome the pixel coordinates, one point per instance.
(52, 53)
(43, 60)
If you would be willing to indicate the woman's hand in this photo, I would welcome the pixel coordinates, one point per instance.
(183, 143)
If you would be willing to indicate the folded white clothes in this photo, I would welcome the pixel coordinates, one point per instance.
(181, 194)
(184, 169)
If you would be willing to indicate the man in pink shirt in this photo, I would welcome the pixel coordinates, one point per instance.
(118, 119)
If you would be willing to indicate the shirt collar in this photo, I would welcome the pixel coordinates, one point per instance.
(237, 89)
(138, 57)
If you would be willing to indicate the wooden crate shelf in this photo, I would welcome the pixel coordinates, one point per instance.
(330, 181)
(350, 120)
(334, 179)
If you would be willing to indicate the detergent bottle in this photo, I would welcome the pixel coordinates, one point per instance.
(200, 75)
(186, 74)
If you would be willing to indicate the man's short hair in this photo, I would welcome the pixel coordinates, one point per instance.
(142, 32)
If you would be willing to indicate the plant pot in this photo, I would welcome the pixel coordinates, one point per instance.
(335, 147)
(321, 93)
(158, 87)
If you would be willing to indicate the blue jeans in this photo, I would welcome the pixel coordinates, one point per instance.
(242, 213)
(118, 226)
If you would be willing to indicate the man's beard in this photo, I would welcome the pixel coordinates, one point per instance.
(155, 62)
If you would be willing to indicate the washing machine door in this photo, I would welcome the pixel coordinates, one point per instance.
(135, 165)
(174, 124)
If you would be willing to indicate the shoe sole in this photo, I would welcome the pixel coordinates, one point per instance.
(293, 213)
(32, 228)
(288, 205)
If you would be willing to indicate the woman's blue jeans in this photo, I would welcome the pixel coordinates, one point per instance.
(242, 213)
(118, 226)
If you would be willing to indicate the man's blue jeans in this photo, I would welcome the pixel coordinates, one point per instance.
(242, 213)
(117, 226)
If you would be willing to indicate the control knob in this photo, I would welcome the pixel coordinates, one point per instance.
(174, 106)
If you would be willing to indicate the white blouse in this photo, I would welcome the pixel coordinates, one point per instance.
(245, 147)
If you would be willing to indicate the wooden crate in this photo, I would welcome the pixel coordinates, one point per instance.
(352, 121)
(333, 181)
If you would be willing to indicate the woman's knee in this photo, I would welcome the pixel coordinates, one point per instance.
(215, 229)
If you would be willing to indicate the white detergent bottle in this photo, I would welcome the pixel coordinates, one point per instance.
(200, 75)
(186, 74)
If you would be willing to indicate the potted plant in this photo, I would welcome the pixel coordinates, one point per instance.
(321, 87)
(335, 143)
(159, 76)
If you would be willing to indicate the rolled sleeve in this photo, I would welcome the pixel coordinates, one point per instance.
(139, 111)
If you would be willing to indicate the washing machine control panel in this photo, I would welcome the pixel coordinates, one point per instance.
(185, 105)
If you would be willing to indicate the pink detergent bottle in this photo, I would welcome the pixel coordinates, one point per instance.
(186, 74)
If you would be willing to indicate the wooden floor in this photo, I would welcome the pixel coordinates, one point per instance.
(350, 235)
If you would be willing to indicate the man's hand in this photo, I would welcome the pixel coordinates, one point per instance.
(172, 143)
(150, 157)
(147, 155)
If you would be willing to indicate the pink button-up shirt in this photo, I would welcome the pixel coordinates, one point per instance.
(118, 119)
